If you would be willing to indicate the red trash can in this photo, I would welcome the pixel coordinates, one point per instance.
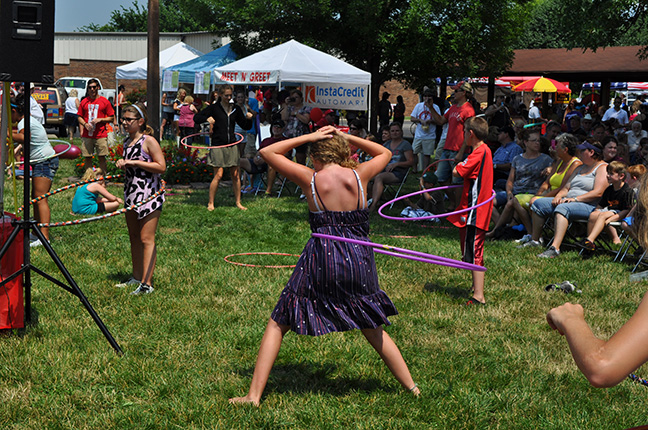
(12, 309)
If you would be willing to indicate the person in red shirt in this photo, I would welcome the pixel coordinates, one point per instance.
(327, 119)
(95, 112)
(477, 173)
(455, 146)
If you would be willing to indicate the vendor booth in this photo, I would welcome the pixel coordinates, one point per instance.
(327, 82)
(198, 69)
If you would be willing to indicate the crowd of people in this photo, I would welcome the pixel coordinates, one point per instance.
(590, 154)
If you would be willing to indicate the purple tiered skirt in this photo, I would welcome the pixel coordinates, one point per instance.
(334, 286)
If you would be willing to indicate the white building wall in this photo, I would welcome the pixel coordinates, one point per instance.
(122, 47)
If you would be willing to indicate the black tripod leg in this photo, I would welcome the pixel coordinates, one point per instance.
(76, 290)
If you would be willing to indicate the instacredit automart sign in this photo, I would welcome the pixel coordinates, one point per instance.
(248, 77)
(336, 96)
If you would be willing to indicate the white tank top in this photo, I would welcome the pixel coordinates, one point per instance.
(70, 105)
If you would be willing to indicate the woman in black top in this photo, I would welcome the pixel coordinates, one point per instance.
(222, 116)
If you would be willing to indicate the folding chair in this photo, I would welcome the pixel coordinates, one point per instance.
(640, 261)
(627, 245)
(388, 187)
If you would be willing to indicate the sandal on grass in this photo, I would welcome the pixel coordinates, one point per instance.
(474, 301)
(587, 245)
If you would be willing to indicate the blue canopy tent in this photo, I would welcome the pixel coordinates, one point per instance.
(205, 63)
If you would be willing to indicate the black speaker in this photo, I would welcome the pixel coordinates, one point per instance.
(27, 40)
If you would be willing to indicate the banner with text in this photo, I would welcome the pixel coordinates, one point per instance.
(202, 82)
(336, 96)
(249, 77)
(170, 80)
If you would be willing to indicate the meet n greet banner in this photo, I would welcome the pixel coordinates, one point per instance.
(259, 77)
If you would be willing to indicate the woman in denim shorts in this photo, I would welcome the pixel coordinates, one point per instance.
(577, 199)
(41, 151)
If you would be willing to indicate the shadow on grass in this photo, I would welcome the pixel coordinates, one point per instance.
(120, 276)
(454, 292)
(302, 378)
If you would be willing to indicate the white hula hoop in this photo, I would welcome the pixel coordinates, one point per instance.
(40, 160)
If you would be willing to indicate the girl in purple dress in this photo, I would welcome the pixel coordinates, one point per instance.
(334, 286)
(143, 163)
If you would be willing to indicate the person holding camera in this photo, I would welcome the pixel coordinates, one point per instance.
(297, 118)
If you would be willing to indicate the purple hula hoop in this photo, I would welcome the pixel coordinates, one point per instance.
(183, 141)
(429, 216)
(398, 252)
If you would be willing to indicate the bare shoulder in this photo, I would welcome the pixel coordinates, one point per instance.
(150, 143)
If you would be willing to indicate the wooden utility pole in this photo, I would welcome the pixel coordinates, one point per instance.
(153, 67)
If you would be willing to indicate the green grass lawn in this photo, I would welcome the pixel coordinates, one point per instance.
(192, 344)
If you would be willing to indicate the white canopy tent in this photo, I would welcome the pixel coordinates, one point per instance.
(178, 53)
(324, 77)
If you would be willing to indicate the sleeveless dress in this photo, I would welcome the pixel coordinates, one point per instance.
(334, 286)
(140, 184)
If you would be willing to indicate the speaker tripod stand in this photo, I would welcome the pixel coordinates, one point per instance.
(27, 225)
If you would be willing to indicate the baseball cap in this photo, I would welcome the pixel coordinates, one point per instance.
(587, 145)
(430, 178)
(463, 85)
(329, 111)
(279, 123)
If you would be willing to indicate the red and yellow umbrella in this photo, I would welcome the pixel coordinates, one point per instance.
(542, 85)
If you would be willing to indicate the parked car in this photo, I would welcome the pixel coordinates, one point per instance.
(81, 84)
(52, 100)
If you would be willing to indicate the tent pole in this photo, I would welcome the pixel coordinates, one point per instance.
(369, 103)
(4, 156)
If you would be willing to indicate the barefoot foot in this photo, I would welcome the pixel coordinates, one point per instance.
(241, 207)
(243, 400)
(210, 207)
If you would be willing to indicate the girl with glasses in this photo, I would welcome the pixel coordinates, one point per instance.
(143, 165)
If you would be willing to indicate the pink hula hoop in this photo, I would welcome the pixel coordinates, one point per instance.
(430, 216)
(401, 252)
(183, 141)
(258, 265)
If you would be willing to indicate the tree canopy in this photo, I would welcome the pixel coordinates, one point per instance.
(586, 24)
(175, 16)
(414, 41)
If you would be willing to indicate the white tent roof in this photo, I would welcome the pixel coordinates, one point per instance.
(178, 53)
(291, 62)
